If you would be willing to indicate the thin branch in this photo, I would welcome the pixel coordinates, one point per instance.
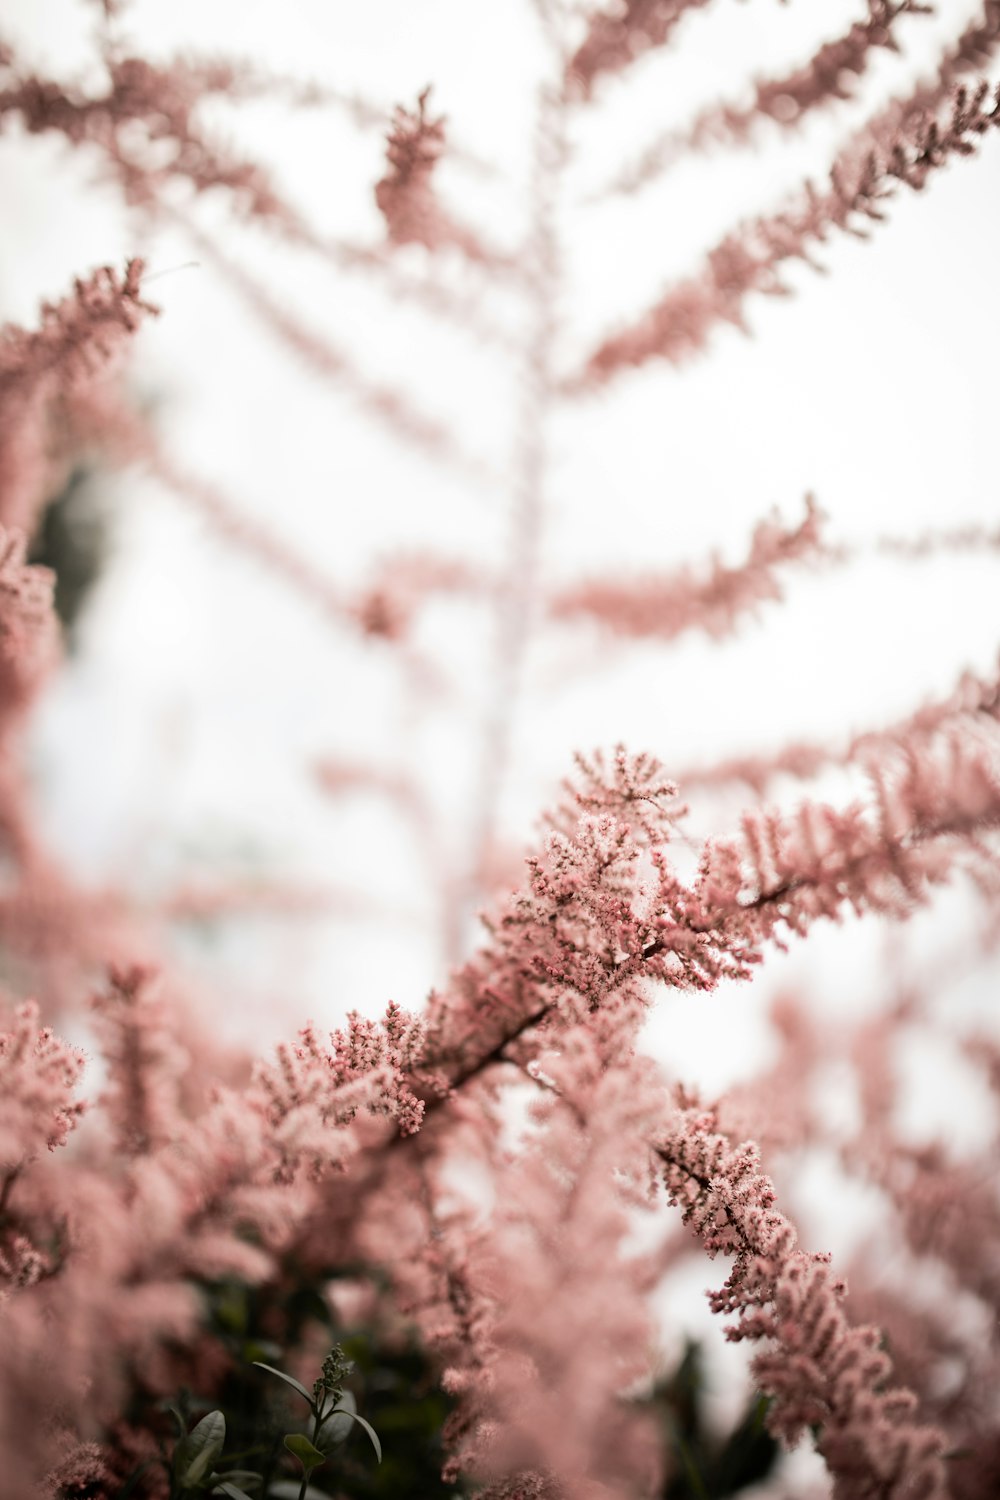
(781, 102)
(517, 592)
(749, 260)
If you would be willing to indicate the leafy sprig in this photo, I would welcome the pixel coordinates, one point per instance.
(333, 1411)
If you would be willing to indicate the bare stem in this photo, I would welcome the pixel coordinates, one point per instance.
(518, 591)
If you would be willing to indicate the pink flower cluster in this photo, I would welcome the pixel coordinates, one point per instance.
(505, 1180)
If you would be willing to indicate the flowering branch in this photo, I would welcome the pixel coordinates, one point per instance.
(616, 37)
(663, 607)
(750, 259)
(158, 101)
(78, 337)
(820, 1372)
(961, 709)
(784, 101)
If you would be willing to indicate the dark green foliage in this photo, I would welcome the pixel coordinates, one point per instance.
(72, 539)
(394, 1385)
(404, 1404)
(391, 1377)
(706, 1467)
(383, 1372)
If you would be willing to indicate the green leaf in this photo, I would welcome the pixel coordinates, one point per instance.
(196, 1455)
(288, 1379)
(232, 1490)
(340, 1410)
(337, 1423)
(691, 1469)
(307, 1454)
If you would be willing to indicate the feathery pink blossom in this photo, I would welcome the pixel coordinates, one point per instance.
(28, 638)
(482, 1171)
(819, 1371)
(78, 339)
(143, 109)
(39, 1074)
(749, 260)
(783, 101)
(621, 32)
(714, 599)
